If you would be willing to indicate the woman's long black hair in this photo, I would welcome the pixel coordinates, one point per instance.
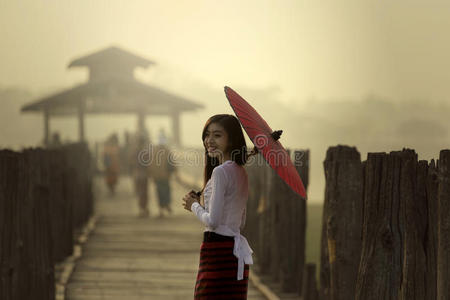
(236, 140)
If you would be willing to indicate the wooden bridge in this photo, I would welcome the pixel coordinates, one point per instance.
(394, 203)
(126, 257)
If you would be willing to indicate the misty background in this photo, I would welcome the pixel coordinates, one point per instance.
(367, 74)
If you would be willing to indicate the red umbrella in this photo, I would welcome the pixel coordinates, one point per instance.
(266, 141)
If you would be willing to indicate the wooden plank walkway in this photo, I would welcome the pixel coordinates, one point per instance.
(133, 258)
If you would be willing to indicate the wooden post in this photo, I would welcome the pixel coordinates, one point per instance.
(324, 276)
(413, 199)
(309, 285)
(432, 230)
(290, 229)
(343, 194)
(390, 246)
(40, 247)
(10, 245)
(379, 272)
(275, 221)
(36, 276)
(265, 221)
(287, 244)
(176, 128)
(443, 261)
(61, 206)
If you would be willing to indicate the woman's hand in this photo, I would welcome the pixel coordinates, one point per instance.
(188, 199)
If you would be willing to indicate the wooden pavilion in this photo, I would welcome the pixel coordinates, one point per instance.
(112, 89)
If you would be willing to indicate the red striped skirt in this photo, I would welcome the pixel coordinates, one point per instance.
(217, 273)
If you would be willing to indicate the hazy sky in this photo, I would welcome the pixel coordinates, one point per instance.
(308, 49)
(282, 50)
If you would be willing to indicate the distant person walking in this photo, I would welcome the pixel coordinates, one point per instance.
(111, 162)
(125, 154)
(141, 159)
(161, 169)
(55, 142)
(225, 254)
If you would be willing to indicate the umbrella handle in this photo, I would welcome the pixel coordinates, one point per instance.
(276, 134)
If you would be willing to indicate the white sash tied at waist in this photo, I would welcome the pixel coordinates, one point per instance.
(243, 252)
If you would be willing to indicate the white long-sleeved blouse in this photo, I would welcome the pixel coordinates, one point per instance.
(226, 195)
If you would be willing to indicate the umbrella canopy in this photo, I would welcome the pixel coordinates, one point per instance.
(266, 141)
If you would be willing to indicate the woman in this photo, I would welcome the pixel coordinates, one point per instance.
(224, 254)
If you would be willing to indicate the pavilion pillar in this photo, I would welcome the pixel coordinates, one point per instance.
(176, 128)
(81, 112)
(46, 127)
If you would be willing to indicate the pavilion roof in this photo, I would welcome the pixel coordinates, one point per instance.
(113, 95)
(111, 55)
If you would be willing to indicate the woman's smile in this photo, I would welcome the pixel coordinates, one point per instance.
(216, 141)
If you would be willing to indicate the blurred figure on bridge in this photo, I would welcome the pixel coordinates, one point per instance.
(55, 141)
(140, 171)
(125, 149)
(111, 162)
(161, 169)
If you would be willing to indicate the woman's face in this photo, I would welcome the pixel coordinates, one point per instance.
(216, 141)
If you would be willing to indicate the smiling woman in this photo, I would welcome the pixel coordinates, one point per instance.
(225, 254)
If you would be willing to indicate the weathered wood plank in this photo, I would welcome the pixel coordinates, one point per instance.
(134, 258)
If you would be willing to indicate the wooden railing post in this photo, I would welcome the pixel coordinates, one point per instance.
(11, 164)
(35, 272)
(432, 230)
(443, 261)
(39, 229)
(413, 202)
(393, 261)
(287, 244)
(265, 221)
(343, 220)
(309, 287)
(36, 197)
(60, 206)
(275, 215)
